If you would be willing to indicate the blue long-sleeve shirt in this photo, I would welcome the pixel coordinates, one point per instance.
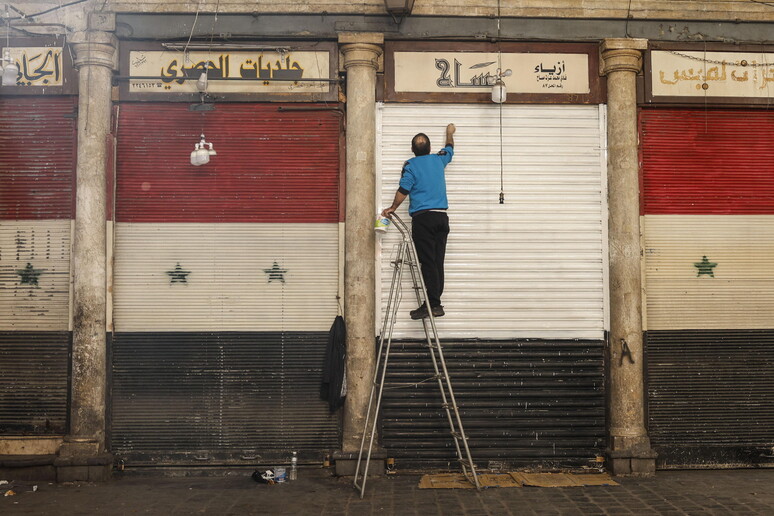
(424, 181)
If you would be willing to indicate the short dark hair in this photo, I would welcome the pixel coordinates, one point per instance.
(420, 144)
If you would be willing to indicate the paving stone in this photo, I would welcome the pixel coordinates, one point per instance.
(317, 492)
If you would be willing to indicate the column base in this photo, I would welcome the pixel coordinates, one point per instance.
(631, 457)
(346, 463)
(81, 460)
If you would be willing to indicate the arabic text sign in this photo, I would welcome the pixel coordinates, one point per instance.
(473, 72)
(172, 68)
(712, 74)
(38, 66)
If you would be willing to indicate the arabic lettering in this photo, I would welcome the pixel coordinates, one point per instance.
(288, 70)
(480, 80)
(551, 77)
(719, 74)
(214, 70)
(42, 69)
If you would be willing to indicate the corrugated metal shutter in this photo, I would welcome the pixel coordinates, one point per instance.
(525, 403)
(707, 226)
(37, 158)
(711, 396)
(37, 189)
(535, 266)
(226, 277)
(525, 294)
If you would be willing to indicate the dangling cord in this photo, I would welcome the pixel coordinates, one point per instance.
(500, 71)
(502, 189)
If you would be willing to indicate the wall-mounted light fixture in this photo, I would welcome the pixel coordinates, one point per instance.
(398, 9)
(499, 92)
(201, 154)
(9, 69)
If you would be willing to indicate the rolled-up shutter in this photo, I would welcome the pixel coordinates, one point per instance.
(226, 280)
(37, 191)
(708, 199)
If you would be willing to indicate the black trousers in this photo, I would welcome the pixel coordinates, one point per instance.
(430, 231)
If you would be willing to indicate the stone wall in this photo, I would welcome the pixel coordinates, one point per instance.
(616, 9)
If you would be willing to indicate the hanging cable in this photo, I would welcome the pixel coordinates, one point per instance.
(499, 71)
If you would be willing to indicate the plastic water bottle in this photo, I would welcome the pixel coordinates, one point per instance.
(294, 467)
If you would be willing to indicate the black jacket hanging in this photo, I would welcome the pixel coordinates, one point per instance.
(334, 383)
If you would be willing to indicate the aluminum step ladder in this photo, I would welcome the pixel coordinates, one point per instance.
(407, 257)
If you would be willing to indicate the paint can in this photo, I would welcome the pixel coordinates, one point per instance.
(280, 475)
(381, 224)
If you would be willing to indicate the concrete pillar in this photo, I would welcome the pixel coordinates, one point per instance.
(361, 53)
(629, 450)
(95, 59)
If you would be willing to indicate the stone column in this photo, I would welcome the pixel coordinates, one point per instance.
(83, 452)
(629, 450)
(361, 53)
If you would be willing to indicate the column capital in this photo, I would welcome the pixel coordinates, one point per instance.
(622, 54)
(361, 48)
(94, 48)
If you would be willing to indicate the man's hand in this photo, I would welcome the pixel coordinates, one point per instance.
(450, 129)
(387, 212)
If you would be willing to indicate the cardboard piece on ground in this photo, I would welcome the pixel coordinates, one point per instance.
(563, 479)
(458, 481)
(595, 479)
(544, 479)
(515, 479)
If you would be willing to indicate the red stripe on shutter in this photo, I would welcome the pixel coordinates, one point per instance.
(271, 165)
(37, 158)
(707, 161)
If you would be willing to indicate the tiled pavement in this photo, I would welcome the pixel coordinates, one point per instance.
(317, 492)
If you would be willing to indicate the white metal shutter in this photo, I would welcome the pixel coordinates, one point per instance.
(533, 267)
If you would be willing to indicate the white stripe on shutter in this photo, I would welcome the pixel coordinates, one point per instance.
(35, 275)
(229, 286)
(533, 267)
(733, 289)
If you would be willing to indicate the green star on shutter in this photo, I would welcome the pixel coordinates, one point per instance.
(29, 275)
(178, 275)
(705, 267)
(275, 273)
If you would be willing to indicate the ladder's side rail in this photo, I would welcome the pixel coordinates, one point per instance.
(422, 293)
(393, 317)
(389, 322)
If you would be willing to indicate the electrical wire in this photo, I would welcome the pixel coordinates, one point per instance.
(500, 71)
(41, 13)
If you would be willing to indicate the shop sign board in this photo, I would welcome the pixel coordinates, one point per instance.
(38, 66)
(44, 64)
(461, 72)
(466, 72)
(698, 74)
(290, 72)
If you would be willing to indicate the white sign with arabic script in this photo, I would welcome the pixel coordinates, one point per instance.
(256, 71)
(712, 74)
(473, 72)
(38, 66)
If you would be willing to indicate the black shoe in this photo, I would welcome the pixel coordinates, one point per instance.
(421, 312)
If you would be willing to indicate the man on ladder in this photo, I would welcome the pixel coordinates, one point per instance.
(423, 180)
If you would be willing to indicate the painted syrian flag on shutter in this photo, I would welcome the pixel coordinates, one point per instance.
(37, 192)
(708, 232)
(225, 282)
